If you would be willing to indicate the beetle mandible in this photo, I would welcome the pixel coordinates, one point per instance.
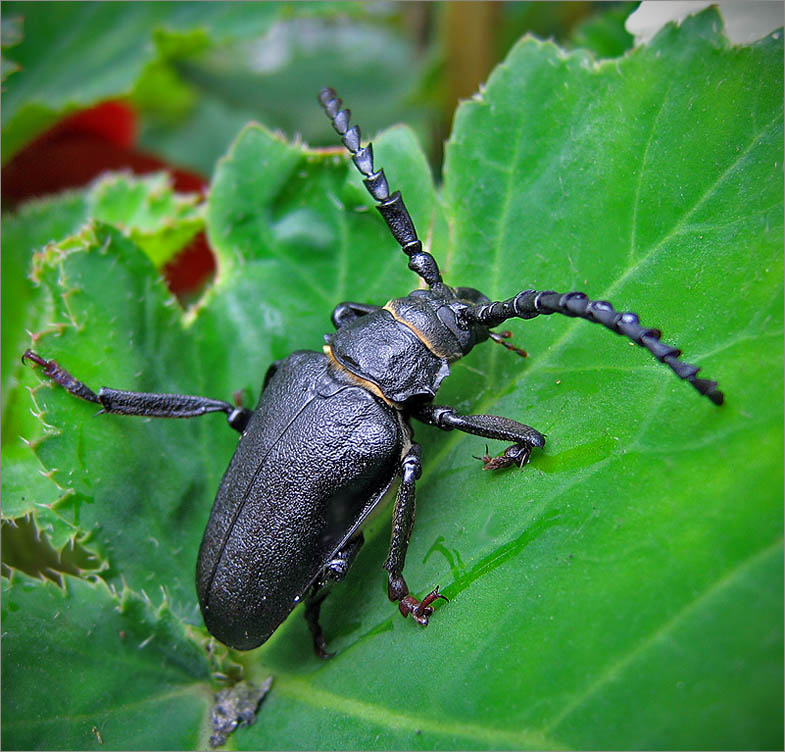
(331, 432)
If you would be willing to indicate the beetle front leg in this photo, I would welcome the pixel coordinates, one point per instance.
(142, 404)
(490, 427)
(403, 522)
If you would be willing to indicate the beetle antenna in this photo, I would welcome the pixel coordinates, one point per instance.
(391, 207)
(531, 303)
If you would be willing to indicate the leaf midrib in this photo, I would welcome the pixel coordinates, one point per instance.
(305, 692)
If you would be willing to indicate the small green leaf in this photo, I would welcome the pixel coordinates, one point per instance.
(157, 219)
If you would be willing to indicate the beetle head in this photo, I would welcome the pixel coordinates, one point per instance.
(434, 315)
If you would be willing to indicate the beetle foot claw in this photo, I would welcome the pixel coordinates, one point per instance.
(517, 454)
(320, 648)
(422, 610)
(54, 371)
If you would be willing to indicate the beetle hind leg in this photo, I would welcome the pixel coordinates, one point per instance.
(403, 522)
(335, 571)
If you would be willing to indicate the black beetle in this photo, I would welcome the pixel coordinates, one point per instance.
(331, 432)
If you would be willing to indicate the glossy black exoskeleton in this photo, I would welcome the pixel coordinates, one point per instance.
(331, 432)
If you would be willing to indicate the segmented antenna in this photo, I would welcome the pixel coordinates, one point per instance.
(391, 207)
(531, 303)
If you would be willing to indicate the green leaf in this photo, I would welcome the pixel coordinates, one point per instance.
(111, 659)
(26, 309)
(605, 33)
(148, 211)
(157, 219)
(34, 225)
(140, 344)
(625, 589)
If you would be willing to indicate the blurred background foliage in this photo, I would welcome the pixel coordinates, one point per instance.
(192, 74)
(90, 87)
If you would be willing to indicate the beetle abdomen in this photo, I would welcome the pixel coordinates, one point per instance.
(318, 453)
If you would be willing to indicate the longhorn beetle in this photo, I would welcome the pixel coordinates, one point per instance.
(331, 432)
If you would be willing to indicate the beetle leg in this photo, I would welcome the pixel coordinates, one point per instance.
(346, 312)
(489, 427)
(335, 571)
(313, 605)
(403, 522)
(144, 404)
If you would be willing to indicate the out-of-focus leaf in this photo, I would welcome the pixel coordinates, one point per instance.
(272, 80)
(10, 36)
(604, 33)
(157, 219)
(74, 54)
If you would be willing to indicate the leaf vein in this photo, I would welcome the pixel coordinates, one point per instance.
(613, 670)
(641, 171)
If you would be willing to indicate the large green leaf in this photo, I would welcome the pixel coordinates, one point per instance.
(623, 590)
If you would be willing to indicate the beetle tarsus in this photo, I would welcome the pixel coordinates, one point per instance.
(61, 377)
(517, 454)
(422, 610)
